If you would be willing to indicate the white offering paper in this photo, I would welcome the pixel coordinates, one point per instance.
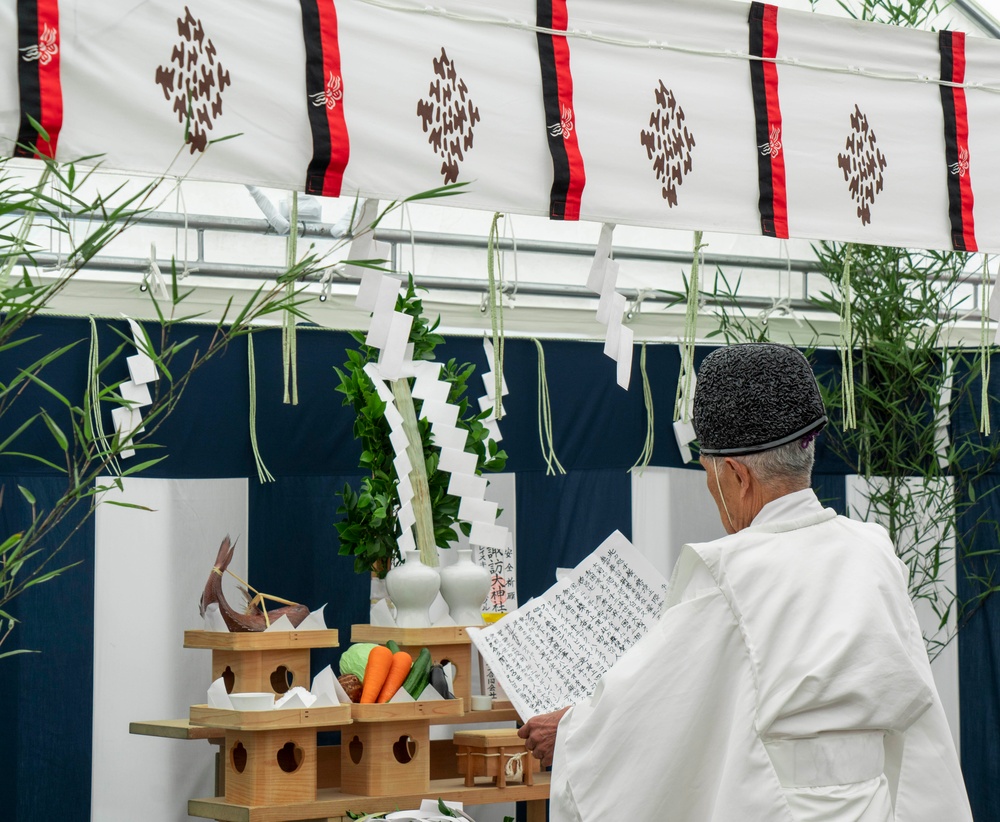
(595, 280)
(552, 651)
(218, 696)
(625, 357)
(316, 621)
(297, 697)
(282, 623)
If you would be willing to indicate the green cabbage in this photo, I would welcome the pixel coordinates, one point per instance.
(355, 658)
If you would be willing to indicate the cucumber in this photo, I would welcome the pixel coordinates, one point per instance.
(392, 646)
(419, 674)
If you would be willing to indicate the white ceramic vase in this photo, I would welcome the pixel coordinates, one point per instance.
(412, 588)
(464, 586)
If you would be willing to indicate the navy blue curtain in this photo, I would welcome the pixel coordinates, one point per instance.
(46, 697)
(979, 638)
(599, 432)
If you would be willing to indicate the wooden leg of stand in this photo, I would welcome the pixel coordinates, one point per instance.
(220, 770)
(536, 810)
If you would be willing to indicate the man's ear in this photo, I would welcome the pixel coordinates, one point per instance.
(743, 475)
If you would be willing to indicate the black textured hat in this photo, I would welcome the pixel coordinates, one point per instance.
(755, 396)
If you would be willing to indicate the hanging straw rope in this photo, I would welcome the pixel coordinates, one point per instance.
(263, 475)
(495, 273)
(647, 396)
(847, 347)
(685, 379)
(552, 464)
(984, 351)
(288, 342)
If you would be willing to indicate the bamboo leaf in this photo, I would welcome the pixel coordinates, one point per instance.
(56, 431)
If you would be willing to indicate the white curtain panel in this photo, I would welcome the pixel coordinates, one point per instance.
(151, 568)
(671, 507)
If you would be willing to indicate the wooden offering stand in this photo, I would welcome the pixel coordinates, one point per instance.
(489, 752)
(388, 748)
(270, 768)
(274, 661)
(271, 756)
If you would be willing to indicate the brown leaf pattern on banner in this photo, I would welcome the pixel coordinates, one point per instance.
(862, 163)
(195, 80)
(668, 143)
(448, 116)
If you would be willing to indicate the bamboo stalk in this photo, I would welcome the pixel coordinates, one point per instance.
(424, 527)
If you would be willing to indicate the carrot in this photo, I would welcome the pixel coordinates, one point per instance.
(398, 671)
(377, 669)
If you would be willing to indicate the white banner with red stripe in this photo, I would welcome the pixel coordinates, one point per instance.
(693, 114)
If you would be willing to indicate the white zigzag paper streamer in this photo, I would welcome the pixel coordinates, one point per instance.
(488, 400)
(142, 370)
(389, 332)
(603, 280)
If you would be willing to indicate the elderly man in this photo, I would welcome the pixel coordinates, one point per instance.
(787, 680)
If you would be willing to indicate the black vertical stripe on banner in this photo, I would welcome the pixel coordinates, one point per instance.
(951, 142)
(550, 95)
(319, 125)
(766, 199)
(28, 81)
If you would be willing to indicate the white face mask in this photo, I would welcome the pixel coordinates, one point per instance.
(718, 485)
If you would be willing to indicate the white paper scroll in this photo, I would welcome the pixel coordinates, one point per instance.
(552, 652)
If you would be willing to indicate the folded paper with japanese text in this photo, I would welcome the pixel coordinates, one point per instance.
(552, 651)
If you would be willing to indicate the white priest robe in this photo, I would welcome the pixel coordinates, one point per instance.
(787, 681)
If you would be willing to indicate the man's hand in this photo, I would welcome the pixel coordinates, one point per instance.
(539, 734)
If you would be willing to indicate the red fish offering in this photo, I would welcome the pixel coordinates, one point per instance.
(252, 617)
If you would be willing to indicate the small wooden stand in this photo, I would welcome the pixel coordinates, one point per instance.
(273, 661)
(387, 749)
(270, 757)
(488, 752)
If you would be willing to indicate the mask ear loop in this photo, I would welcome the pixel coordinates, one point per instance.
(718, 485)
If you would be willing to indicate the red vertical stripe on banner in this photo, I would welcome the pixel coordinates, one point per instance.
(774, 121)
(50, 88)
(577, 175)
(340, 147)
(962, 138)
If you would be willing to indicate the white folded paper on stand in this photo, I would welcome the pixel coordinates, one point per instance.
(297, 697)
(218, 696)
(282, 623)
(380, 615)
(316, 621)
(327, 690)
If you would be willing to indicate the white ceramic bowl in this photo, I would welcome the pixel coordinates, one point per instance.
(252, 701)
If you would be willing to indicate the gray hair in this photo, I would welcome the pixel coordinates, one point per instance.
(789, 464)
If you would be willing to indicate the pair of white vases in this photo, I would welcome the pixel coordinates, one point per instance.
(413, 587)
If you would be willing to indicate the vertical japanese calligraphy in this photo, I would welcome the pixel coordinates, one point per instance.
(552, 652)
